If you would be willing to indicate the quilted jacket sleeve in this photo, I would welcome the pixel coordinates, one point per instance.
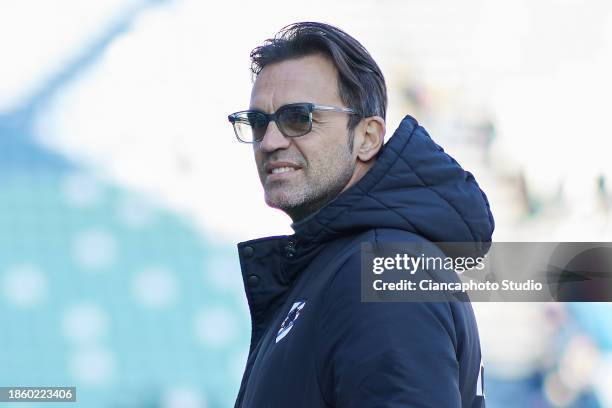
(385, 354)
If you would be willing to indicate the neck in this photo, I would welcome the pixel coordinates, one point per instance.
(299, 214)
(361, 169)
(302, 213)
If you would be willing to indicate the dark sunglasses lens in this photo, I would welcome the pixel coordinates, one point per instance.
(250, 126)
(294, 120)
(259, 124)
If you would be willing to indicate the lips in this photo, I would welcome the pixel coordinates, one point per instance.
(278, 170)
(281, 167)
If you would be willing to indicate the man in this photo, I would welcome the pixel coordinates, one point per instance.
(317, 122)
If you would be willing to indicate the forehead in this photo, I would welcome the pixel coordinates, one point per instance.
(311, 78)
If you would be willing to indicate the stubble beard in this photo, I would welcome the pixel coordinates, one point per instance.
(314, 192)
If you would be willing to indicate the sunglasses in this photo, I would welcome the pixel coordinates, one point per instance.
(292, 120)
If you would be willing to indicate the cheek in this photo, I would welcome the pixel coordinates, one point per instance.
(258, 158)
(259, 163)
(327, 159)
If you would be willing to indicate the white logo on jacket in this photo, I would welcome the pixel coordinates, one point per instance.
(292, 316)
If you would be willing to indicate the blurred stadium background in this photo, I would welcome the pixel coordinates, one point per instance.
(123, 191)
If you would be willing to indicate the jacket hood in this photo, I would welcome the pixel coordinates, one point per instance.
(413, 186)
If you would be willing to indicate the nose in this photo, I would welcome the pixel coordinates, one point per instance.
(273, 139)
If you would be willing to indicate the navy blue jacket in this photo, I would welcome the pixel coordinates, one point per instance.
(315, 344)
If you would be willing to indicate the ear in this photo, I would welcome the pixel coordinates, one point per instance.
(372, 137)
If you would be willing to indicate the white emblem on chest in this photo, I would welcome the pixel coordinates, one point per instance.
(289, 321)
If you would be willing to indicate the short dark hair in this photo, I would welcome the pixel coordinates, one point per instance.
(361, 82)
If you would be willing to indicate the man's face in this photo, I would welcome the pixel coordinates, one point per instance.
(311, 169)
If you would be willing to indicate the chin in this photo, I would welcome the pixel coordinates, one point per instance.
(279, 204)
(282, 202)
